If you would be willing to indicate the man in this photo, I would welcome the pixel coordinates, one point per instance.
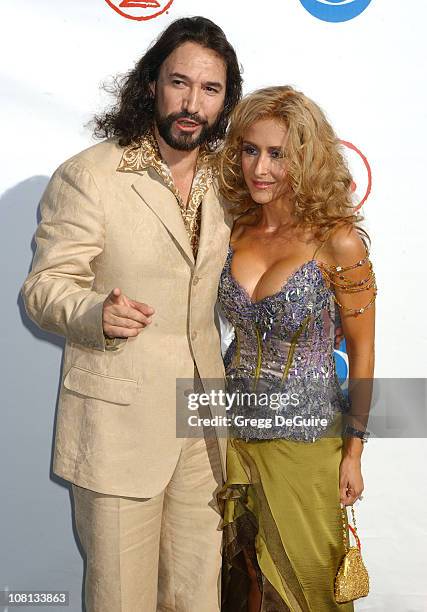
(130, 247)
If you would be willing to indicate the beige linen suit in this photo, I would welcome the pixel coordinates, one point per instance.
(107, 223)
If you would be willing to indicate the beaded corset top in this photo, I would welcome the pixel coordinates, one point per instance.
(283, 350)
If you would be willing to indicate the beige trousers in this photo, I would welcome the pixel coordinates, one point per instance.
(156, 554)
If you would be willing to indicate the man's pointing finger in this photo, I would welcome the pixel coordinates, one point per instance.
(144, 308)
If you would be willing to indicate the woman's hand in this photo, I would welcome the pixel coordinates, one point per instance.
(351, 481)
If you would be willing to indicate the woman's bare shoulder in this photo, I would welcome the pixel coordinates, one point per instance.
(247, 219)
(346, 245)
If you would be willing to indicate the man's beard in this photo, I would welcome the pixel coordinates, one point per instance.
(184, 142)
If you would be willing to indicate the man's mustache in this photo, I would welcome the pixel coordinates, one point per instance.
(184, 115)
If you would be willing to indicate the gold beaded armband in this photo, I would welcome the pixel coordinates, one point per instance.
(335, 276)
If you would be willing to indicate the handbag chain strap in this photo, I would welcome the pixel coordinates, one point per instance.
(352, 529)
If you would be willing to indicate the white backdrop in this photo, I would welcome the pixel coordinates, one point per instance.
(368, 75)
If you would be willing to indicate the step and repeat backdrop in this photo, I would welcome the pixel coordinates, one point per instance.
(363, 62)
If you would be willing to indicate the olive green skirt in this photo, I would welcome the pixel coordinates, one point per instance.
(281, 504)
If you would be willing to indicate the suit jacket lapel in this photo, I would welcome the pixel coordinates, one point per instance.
(213, 227)
(206, 226)
(163, 203)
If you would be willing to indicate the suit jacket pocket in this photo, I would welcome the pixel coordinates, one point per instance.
(100, 386)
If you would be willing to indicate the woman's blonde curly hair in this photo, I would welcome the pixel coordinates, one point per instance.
(316, 170)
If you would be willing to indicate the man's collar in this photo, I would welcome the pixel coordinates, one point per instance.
(140, 155)
(145, 153)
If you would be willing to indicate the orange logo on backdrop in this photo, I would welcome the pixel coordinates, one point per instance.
(361, 182)
(139, 10)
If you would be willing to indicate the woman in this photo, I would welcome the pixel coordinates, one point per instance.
(296, 254)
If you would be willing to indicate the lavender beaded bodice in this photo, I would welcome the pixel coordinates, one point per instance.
(283, 344)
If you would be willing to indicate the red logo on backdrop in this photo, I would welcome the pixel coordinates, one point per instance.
(139, 10)
(360, 169)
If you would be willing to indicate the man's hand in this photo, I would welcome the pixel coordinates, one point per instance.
(123, 317)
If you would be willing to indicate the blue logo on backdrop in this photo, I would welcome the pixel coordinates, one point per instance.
(335, 10)
(341, 363)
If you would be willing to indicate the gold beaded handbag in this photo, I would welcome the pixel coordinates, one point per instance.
(352, 579)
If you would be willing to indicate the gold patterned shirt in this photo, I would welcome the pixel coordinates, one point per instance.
(146, 153)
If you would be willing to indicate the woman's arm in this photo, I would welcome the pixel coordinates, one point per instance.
(351, 276)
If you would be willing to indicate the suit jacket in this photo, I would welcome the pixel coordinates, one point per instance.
(100, 229)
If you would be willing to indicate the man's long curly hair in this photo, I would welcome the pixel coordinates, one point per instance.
(133, 113)
(316, 169)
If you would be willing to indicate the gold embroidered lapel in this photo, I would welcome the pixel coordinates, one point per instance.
(145, 153)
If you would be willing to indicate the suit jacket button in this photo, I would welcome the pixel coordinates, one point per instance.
(196, 280)
(193, 335)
